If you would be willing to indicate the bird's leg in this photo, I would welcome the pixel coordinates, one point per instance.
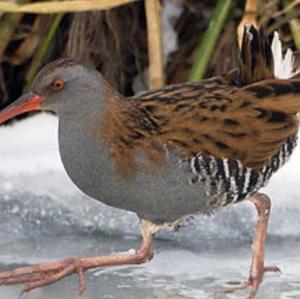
(47, 273)
(263, 206)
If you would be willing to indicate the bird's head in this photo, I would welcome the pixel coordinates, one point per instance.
(61, 87)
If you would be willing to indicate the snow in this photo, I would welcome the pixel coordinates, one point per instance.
(30, 146)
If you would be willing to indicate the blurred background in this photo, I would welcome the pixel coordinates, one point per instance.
(194, 38)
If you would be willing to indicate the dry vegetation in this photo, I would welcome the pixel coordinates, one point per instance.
(115, 40)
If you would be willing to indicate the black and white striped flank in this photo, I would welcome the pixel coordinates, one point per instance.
(227, 181)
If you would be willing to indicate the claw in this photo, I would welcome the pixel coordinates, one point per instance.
(252, 282)
(242, 286)
(274, 269)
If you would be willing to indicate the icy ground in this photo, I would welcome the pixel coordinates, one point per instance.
(43, 216)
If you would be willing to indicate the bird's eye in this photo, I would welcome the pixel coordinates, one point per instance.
(58, 85)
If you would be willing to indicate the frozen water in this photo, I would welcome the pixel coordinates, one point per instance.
(43, 216)
(179, 270)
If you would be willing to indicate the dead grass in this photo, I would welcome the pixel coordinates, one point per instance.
(115, 40)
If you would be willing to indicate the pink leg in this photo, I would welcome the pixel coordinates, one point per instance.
(263, 206)
(47, 273)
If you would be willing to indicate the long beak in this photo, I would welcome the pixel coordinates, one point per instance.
(27, 102)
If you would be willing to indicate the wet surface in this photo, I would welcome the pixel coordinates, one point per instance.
(179, 269)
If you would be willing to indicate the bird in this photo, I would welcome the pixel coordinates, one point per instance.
(164, 154)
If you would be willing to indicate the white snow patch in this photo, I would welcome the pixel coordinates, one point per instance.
(30, 146)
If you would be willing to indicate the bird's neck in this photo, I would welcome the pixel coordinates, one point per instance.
(89, 101)
(87, 135)
(84, 153)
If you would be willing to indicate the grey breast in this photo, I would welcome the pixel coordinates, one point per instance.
(161, 196)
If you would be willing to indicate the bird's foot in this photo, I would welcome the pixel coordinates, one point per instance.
(253, 282)
(48, 273)
(257, 269)
(44, 274)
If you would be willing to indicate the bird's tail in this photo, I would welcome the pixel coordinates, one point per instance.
(268, 74)
(256, 59)
(262, 61)
(284, 65)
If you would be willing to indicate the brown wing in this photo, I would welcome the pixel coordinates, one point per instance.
(249, 124)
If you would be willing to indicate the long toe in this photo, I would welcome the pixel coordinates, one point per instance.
(253, 282)
(40, 275)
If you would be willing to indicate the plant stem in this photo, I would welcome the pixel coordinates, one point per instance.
(47, 7)
(8, 24)
(156, 65)
(43, 50)
(206, 47)
(294, 23)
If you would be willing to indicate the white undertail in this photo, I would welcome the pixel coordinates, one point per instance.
(284, 65)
